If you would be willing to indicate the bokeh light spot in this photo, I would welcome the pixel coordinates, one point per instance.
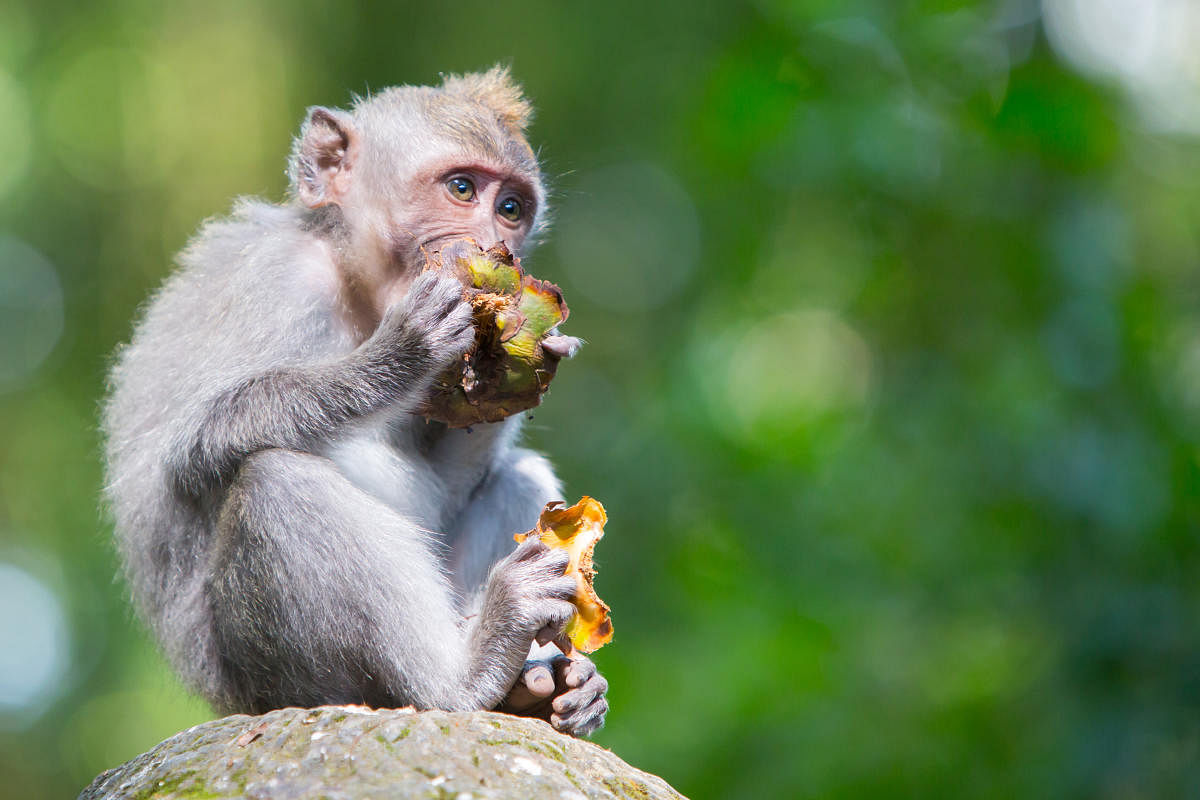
(31, 310)
(900, 143)
(18, 139)
(1082, 341)
(34, 641)
(98, 115)
(815, 258)
(629, 237)
(786, 372)
(1115, 478)
(1090, 243)
(1178, 368)
(1148, 46)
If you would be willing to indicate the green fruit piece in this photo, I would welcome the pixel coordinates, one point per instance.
(541, 308)
(493, 275)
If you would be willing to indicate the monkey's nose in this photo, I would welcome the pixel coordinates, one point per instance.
(490, 235)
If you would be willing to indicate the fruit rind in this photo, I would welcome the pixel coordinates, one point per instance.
(577, 529)
(506, 370)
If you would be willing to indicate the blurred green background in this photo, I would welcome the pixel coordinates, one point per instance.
(892, 384)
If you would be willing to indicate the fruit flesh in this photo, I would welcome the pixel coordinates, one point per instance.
(577, 529)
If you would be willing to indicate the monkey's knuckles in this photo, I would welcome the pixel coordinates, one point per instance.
(452, 336)
(535, 591)
(527, 550)
(578, 671)
(586, 694)
(435, 311)
(548, 617)
(581, 708)
(583, 719)
(535, 562)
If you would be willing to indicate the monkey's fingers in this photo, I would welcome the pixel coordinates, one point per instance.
(561, 346)
(530, 695)
(528, 550)
(581, 711)
(549, 634)
(563, 643)
(574, 672)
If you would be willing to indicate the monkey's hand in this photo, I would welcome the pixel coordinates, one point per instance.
(566, 691)
(527, 598)
(429, 328)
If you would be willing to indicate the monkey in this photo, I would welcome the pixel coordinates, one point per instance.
(291, 530)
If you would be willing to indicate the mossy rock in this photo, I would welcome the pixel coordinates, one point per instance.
(357, 752)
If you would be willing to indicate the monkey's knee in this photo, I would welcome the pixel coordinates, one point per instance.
(273, 488)
(278, 524)
(278, 472)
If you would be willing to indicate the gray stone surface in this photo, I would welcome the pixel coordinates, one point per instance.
(349, 752)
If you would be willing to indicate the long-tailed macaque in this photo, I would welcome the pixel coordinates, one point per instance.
(293, 533)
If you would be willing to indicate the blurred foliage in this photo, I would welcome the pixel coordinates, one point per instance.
(891, 387)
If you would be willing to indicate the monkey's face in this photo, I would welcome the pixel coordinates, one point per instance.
(413, 168)
(456, 197)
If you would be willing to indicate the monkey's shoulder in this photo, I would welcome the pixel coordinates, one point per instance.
(249, 294)
(262, 249)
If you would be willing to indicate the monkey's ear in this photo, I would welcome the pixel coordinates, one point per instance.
(323, 157)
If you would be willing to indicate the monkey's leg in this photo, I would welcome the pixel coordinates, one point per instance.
(321, 594)
(297, 407)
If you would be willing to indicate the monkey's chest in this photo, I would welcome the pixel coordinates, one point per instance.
(424, 483)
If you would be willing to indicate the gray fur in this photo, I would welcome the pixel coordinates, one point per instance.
(290, 530)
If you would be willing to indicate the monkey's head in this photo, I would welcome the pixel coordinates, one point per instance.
(415, 166)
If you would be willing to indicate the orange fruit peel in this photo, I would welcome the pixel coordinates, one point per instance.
(577, 529)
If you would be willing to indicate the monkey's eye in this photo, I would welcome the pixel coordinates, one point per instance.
(461, 188)
(510, 209)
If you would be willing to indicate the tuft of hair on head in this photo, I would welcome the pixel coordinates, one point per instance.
(495, 90)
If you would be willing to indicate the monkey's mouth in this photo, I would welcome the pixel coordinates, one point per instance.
(517, 344)
(406, 250)
(434, 244)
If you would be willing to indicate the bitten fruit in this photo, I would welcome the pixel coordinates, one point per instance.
(576, 530)
(507, 370)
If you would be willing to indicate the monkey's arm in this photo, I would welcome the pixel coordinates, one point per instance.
(295, 407)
